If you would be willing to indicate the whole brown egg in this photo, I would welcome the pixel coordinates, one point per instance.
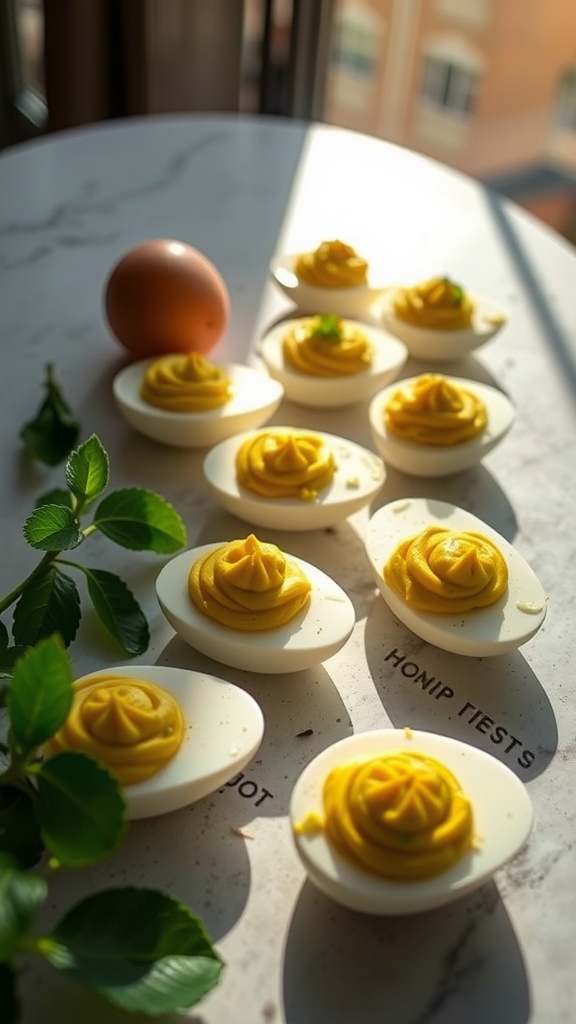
(164, 296)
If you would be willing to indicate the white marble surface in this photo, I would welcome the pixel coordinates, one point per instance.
(241, 191)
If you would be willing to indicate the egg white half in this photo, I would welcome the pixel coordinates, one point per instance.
(438, 345)
(484, 632)
(389, 356)
(502, 821)
(350, 302)
(439, 460)
(255, 397)
(223, 730)
(358, 478)
(311, 637)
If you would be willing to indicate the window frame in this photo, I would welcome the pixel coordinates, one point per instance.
(448, 85)
(566, 102)
(23, 110)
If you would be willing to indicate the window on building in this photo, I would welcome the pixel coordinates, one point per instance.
(471, 13)
(450, 86)
(355, 46)
(565, 112)
(355, 61)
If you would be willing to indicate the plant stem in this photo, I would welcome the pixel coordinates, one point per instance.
(43, 564)
(13, 596)
(14, 778)
(41, 945)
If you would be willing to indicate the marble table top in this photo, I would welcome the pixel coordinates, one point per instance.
(242, 190)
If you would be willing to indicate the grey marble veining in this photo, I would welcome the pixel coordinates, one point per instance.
(240, 191)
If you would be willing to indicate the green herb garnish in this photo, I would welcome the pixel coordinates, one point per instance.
(47, 601)
(457, 291)
(327, 326)
(53, 432)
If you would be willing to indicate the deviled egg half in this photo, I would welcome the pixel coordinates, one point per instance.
(326, 361)
(169, 735)
(332, 278)
(452, 579)
(397, 821)
(438, 319)
(251, 605)
(432, 425)
(187, 401)
(288, 478)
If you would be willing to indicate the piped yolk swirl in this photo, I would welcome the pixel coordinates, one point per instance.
(402, 816)
(332, 265)
(446, 571)
(248, 585)
(438, 303)
(187, 383)
(325, 346)
(284, 465)
(434, 411)
(131, 726)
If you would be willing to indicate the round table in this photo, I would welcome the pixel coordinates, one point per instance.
(241, 190)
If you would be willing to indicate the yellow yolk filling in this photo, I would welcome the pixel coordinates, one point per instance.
(332, 265)
(276, 465)
(248, 585)
(438, 303)
(446, 571)
(130, 725)
(325, 346)
(402, 816)
(434, 411)
(186, 383)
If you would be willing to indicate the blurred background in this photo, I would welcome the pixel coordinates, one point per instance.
(486, 86)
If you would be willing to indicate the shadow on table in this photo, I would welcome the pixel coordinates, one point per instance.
(475, 490)
(454, 964)
(303, 714)
(534, 294)
(496, 703)
(195, 854)
(51, 997)
(352, 421)
(470, 367)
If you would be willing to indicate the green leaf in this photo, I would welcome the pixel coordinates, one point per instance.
(80, 809)
(118, 609)
(53, 528)
(50, 604)
(8, 995)
(140, 520)
(87, 469)
(141, 949)
(458, 293)
(21, 895)
(19, 833)
(53, 432)
(4, 637)
(57, 496)
(327, 325)
(40, 695)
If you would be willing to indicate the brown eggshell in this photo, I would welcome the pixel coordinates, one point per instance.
(164, 296)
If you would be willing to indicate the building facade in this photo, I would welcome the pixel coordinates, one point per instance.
(487, 86)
